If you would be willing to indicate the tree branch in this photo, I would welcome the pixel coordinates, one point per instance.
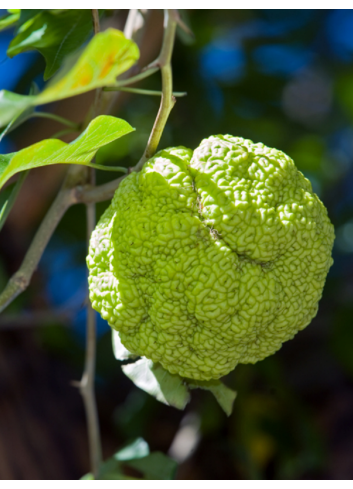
(87, 382)
(20, 280)
(100, 193)
(86, 386)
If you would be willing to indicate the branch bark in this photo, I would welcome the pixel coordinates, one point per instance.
(87, 382)
(86, 387)
(21, 279)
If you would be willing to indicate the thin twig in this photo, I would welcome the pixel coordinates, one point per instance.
(55, 117)
(95, 20)
(87, 391)
(134, 79)
(99, 194)
(87, 381)
(98, 95)
(182, 25)
(141, 91)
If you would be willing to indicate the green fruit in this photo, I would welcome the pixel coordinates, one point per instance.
(211, 258)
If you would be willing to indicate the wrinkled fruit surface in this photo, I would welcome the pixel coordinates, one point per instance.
(211, 258)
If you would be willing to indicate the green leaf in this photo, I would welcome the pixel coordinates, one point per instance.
(102, 130)
(12, 105)
(113, 468)
(120, 352)
(8, 20)
(155, 466)
(158, 382)
(137, 449)
(106, 56)
(152, 466)
(223, 394)
(21, 116)
(28, 14)
(53, 35)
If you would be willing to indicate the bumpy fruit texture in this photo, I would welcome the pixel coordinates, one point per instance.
(211, 258)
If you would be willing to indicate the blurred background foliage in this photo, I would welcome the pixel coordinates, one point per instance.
(282, 77)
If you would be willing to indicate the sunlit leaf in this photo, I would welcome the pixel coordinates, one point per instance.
(8, 20)
(120, 352)
(173, 389)
(158, 382)
(102, 130)
(53, 35)
(223, 394)
(106, 56)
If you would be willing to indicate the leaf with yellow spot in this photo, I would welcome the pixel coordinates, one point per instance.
(108, 55)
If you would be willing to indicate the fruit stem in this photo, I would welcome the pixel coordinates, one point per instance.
(167, 99)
